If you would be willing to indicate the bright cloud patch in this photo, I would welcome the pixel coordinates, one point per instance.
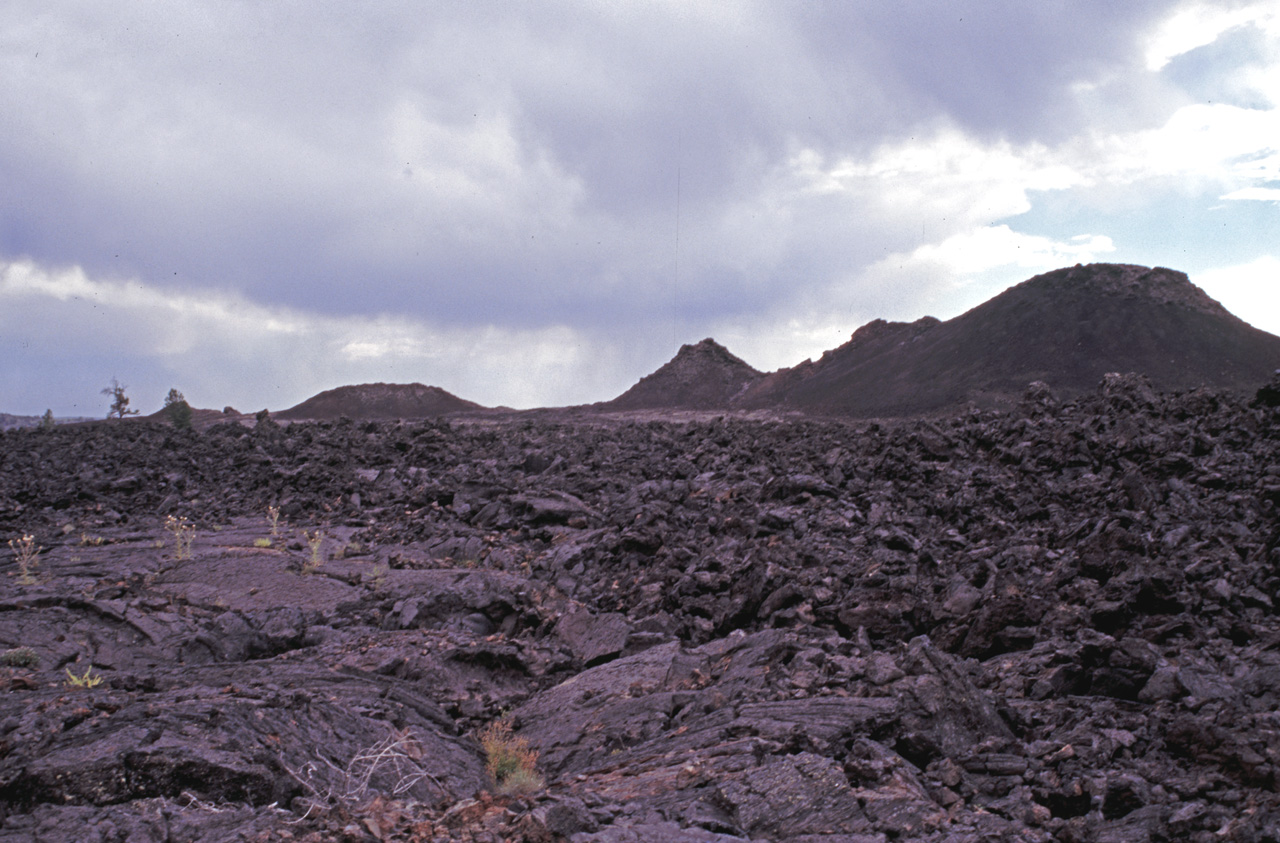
(1250, 291)
(1199, 24)
(949, 175)
(1257, 194)
(988, 248)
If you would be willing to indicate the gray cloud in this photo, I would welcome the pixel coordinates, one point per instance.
(641, 172)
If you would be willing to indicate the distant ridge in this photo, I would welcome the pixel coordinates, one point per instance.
(705, 376)
(9, 421)
(1067, 328)
(380, 401)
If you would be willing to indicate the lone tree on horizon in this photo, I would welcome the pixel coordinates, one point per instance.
(177, 409)
(119, 401)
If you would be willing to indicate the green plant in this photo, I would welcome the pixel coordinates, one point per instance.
(27, 554)
(94, 541)
(178, 410)
(509, 761)
(88, 680)
(184, 533)
(315, 542)
(46, 421)
(19, 657)
(119, 401)
(273, 518)
(264, 542)
(379, 576)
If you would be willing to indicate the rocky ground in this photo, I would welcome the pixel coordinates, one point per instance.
(1054, 623)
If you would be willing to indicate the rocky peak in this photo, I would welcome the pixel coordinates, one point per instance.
(708, 349)
(705, 375)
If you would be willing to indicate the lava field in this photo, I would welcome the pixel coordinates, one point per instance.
(1055, 622)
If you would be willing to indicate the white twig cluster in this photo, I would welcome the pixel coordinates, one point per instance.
(398, 755)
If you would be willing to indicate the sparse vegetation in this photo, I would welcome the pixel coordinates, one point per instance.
(46, 421)
(178, 410)
(184, 533)
(398, 757)
(263, 542)
(88, 680)
(509, 761)
(119, 401)
(315, 544)
(87, 540)
(19, 657)
(273, 518)
(27, 554)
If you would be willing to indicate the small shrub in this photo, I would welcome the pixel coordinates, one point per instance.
(509, 761)
(19, 657)
(88, 680)
(27, 554)
(184, 533)
(315, 543)
(46, 421)
(262, 542)
(178, 410)
(522, 781)
(87, 540)
(273, 518)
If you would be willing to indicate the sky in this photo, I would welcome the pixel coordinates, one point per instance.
(536, 204)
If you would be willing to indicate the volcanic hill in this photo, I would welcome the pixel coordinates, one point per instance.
(380, 401)
(1067, 328)
(705, 376)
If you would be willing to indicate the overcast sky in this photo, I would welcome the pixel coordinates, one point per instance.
(536, 204)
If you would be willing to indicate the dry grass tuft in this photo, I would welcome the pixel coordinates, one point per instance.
(511, 763)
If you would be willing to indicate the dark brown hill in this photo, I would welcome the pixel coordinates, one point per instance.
(705, 376)
(1067, 328)
(380, 401)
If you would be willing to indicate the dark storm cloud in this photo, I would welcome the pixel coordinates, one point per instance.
(997, 68)
(248, 145)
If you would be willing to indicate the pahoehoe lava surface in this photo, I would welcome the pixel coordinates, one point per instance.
(1051, 622)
